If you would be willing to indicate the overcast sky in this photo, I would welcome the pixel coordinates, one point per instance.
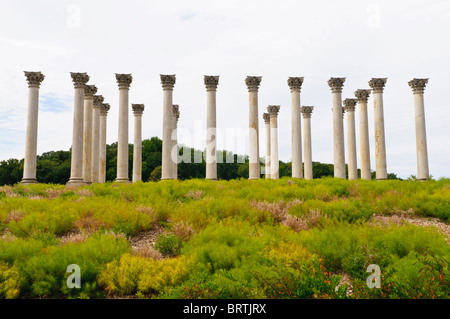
(275, 39)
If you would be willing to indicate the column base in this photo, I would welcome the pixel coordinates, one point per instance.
(212, 179)
(253, 178)
(381, 179)
(76, 182)
(122, 180)
(27, 181)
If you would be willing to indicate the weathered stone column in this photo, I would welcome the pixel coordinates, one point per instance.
(138, 109)
(274, 163)
(176, 116)
(34, 80)
(168, 82)
(350, 106)
(254, 165)
(89, 92)
(364, 148)
(211, 83)
(76, 171)
(124, 82)
(95, 160)
(295, 84)
(102, 153)
(306, 112)
(336, 85)
(266, 117)
(377, 85)
(418, 87)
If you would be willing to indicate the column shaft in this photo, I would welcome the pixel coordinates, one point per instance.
(308, 147)
(167, 169)
(122, 145)
(95, 160)
(274, 161)
(137, 149)
(87, 139)
(102, 148)
(254, 165)
(295, 84)
(418, 86)
(29, 165)
(211, 156)
(364, 149)
(351, 140)
(336, 85)
(266, 118)
(76, 171)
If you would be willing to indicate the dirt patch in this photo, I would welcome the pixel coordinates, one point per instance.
(345, 280)
(143, 243)
(406, 217)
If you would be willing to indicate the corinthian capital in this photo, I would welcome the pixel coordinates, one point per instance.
(211, 82)
(104, 108)
(336, 84)
(418, 85)
(89, 91)
(295, 83)
(79, 79)
(273, 110)
(266, 118)
(124, 80)
(350, 105)
(138, 109)
(377, 84)
(168, 81)
(98, 100)
(175, 108)
(362, 95)
(307, 111)
(34, 79)
(253, 83)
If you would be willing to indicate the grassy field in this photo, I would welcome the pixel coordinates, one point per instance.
(282, 238)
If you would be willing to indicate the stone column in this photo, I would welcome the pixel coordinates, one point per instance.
(95, 160)
(274, 163)
(266, 117)
(124, 82)
(418, 87)
(176, 115)
(336, 85)
(34, 80)
(306, 112)
(350, 106)
(377, 85)
(254, 165)
(138, 109)
(168, 82)
(295, 84)
(211, 83)
(364, 149)
(102, 153)
(89, 92)
(76, 171)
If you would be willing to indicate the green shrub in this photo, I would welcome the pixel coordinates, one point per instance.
(168, 244)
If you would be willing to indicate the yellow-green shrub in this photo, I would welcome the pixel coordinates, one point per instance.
(9, 282)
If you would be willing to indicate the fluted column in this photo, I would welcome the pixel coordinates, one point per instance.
(295, 84)
(95, 160)
(253, 83)
(138, 109)
(124, 82)
(266, 117)
(176, 115)
(274, 162)
(76, 171)
(89, 92)
(418, 87)
(377, 85)
(364, 148)
(168, 82)
(102, 153)
(350, 106)
(306, 112)
(34, 80)
(336, 85)
(211, 83)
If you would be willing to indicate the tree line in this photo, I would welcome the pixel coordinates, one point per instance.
(54, 167)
